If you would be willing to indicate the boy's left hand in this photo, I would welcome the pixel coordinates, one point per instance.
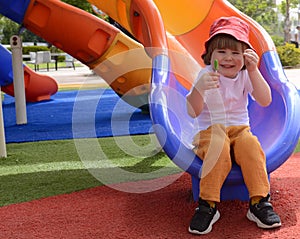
(251, 59)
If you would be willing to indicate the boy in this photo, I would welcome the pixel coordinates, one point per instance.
(219, 99)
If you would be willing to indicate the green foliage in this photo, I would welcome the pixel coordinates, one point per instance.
(282, 6)
(289, 55)
(278, 41)
(84, 5)
(10, 28)
(53, 49)
(255, 8)
(262, 11)
(27, 49)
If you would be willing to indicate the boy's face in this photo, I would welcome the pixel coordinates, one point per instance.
(230, 61)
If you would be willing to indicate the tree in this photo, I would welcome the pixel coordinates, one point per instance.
(262, 11)
(82, 4)
(10, 28)
(285, 8)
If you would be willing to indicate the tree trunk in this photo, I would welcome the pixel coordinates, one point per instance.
(287, 23)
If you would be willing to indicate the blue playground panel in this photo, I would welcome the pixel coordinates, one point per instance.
(14, 10)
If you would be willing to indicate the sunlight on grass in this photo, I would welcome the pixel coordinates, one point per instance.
(46, 168)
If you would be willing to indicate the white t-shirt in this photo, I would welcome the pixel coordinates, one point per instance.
(298, 35)
(294, 35)
(227, 104)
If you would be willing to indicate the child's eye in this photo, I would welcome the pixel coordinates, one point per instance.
(221, 51)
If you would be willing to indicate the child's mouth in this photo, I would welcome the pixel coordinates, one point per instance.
(227, 66)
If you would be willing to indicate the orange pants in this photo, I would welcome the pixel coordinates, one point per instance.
(217, 146)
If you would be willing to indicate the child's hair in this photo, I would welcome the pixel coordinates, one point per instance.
(222, 41)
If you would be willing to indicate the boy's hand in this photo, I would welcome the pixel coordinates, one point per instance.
(251, 59)
(209, 80)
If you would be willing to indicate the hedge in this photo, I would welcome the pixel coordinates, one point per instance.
(289, 55)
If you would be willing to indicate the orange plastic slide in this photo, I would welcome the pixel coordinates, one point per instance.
(38, 87)
(95, 43)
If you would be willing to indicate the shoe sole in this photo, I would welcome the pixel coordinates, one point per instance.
(213, 221)
(253, 218)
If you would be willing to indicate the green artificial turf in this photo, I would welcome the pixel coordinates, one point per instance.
(41, 169)
(297, 149)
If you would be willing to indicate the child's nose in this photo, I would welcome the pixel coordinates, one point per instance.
(228, 56)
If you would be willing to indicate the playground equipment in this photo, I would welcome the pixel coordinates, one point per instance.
(19, 86)
(169, 41)
(3, 152)
(37, 86)
(88, 39)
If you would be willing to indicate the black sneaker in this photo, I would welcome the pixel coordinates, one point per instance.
(263, 214)
(203, 219)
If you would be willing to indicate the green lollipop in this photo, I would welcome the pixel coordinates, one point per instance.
(216, 65)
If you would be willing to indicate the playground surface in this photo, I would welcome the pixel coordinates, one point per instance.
(68, 77)
(293, 76)
(103, 212)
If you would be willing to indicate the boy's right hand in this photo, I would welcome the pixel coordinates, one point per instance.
(208, 81)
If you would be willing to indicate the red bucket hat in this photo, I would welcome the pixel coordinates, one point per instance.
(232, 26)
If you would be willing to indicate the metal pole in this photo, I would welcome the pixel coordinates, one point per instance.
(18, 71)
(3, 153)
